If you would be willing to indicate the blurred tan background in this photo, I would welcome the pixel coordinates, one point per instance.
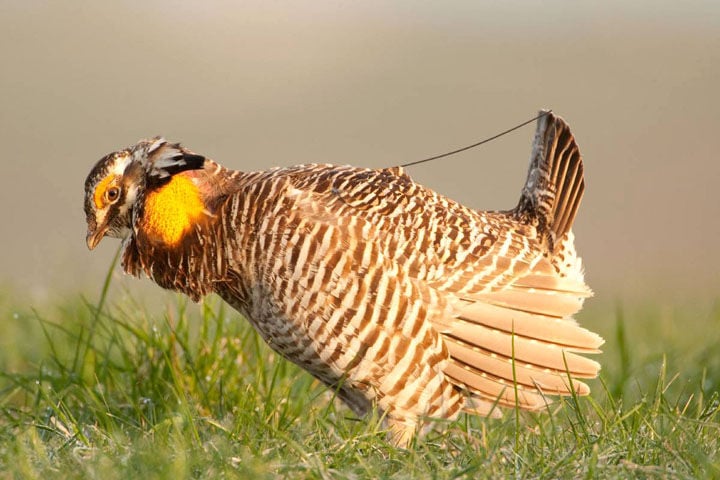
(373, 83)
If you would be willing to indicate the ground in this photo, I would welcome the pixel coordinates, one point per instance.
(95, 388)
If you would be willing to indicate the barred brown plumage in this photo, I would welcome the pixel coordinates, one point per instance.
(386, 291)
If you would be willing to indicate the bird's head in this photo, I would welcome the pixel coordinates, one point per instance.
(116, 186)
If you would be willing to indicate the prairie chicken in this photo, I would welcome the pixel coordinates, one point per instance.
(389, 293)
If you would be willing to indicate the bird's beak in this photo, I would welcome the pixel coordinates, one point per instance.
(94, 236)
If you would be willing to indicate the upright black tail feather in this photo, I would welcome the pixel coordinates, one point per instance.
(555, 183)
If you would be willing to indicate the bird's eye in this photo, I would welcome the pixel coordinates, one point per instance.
(112, 194)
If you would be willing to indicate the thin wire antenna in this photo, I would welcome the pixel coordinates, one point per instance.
(442, 155)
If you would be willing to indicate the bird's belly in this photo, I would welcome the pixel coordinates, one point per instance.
(285, 336)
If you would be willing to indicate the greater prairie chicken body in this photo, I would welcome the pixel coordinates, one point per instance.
(384, 290)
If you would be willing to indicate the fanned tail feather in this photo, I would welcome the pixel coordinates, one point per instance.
(493, 347)
(544, 302)
(546, 328)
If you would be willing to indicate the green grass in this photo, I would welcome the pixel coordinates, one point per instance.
(102, 389)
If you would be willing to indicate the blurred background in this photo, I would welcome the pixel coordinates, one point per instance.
(259, 84)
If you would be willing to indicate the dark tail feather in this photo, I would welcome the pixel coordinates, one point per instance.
(555, 184)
